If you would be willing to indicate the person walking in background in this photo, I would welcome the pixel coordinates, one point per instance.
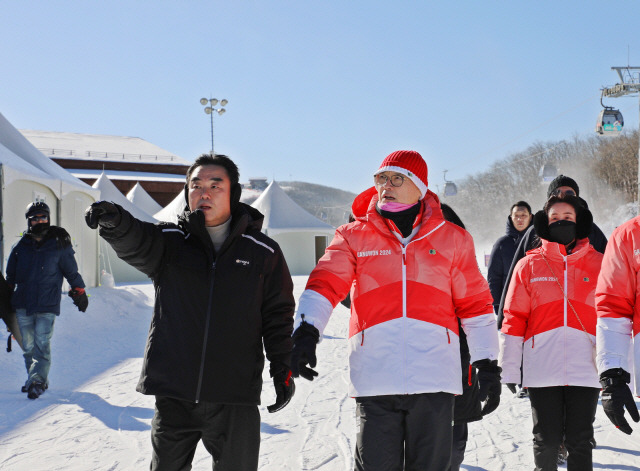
(560, 186)
(503, 250)
(467, 406)
(222, 290)
(412, 275)
(549, 327)
(35, 270)
(518, 221)
(618, 312)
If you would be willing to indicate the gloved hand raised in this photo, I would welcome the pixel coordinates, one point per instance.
(103, 213)
(284, 386)
(616, 395)
(305, 339)
(79, 298)
(489, 384)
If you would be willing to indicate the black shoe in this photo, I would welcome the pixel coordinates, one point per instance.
(35, 390)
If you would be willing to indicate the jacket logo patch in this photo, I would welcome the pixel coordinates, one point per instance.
(542, 278)
(244, 263)
(370, 253)
(585, 278)
(432, 251)
(636, 252)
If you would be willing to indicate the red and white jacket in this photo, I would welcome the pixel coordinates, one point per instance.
(406, 298)
(541, 331)
(616, 302)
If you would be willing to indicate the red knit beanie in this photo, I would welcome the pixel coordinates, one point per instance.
(410, 164)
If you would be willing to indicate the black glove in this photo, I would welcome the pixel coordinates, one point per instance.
(616, 395)
(79, 298)
(284, 385)
(489, 384)
(305, 339)
(512, 387)
(103, 213)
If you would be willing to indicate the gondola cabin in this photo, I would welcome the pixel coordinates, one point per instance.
(548, 172)
(450, 189)
(610, 122)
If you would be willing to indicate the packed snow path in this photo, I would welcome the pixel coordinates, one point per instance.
(92, 418)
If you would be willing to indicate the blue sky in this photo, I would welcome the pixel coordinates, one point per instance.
(319, 91)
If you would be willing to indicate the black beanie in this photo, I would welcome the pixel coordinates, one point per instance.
(562, 180)
(584, 218)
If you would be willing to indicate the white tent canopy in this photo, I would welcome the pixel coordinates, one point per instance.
(27, 176)
(282, 214)
(13, 140)
(302, 237)
(109, 192)
(143, 200)
(110, 262)
(171, 211)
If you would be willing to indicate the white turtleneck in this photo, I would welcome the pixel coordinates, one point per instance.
(219, 233)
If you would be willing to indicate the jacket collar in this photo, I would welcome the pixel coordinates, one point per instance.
(556, 251)
(364, 210)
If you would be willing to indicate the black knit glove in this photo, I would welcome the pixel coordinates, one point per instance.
(284, 386)
(616, 395)
(489, 384)
(79, 298)
(103, 213)
(305, 339)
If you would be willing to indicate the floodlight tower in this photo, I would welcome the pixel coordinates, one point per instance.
(629, 84)
(210, 110)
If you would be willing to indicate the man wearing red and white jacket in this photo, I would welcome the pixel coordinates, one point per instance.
(411, 275)
(618, 323)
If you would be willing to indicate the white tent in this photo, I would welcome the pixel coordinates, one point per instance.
(143, 200)
(302, 237)
(171, 211)
(27, 176)
(110, 262)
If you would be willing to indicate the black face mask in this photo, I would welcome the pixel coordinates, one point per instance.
(562, 232)
(39, 229)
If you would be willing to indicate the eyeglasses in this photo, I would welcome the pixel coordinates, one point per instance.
(39, 218)
(381, 180)
(563, 193)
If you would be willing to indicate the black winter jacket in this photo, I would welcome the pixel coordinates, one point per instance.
(500, 260)
(213, 311)
(531, 241)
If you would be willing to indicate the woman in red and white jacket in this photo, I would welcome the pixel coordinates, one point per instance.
(549, 327)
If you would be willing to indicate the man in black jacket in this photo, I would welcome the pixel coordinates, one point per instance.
(518, 222)
(222, 290)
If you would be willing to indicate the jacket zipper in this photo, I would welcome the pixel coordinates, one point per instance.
(566, 295)
(404, 315)
(206, 332)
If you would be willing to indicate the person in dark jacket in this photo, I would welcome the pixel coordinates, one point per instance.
(559, 187)
(518, 222)
(467, 406)
(35, 269)
(222, 290)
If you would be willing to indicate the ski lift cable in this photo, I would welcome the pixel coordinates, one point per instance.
(553, 118)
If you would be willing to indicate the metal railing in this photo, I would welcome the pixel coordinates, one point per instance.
(91, 154)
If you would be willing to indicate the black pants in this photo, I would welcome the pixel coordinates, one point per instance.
(230, 433)
(404, 432)
(458, 445)
(563, 411)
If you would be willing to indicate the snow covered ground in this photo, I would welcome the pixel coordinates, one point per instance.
(92, 418)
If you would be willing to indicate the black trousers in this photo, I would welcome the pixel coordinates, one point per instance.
(230, 433)
(404, 432)
(563, 411)
(458, 445)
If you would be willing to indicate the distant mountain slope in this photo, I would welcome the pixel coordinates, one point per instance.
(327, 204)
